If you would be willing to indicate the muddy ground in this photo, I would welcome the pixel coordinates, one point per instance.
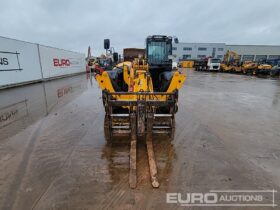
(53, 154)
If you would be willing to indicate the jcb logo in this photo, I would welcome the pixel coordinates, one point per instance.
(61, 62)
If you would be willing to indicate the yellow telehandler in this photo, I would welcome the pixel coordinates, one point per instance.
(140, 99)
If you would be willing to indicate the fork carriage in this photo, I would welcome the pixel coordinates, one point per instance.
(150, 114)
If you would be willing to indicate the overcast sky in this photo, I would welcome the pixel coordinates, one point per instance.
(75, 24)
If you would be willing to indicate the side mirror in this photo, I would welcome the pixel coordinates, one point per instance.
(176, 40)
(115, 57)
(106, 44)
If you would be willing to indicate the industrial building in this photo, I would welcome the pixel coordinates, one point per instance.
(196, 51)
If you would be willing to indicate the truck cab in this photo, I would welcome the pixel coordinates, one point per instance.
(213, 64)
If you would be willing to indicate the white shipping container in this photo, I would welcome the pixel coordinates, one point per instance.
(57, 62)
(19, 62)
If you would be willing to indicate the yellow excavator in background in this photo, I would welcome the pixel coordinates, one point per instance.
(249, 67)
(231, 62)
(140, 98)
(264, 68)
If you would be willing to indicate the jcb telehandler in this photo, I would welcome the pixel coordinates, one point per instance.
(140, 98)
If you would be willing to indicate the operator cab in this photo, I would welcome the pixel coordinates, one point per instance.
(158, 52)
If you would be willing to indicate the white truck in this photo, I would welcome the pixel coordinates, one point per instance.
(213, 64)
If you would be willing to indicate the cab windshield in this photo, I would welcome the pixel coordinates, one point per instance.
(216, 61)
(158, 52)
